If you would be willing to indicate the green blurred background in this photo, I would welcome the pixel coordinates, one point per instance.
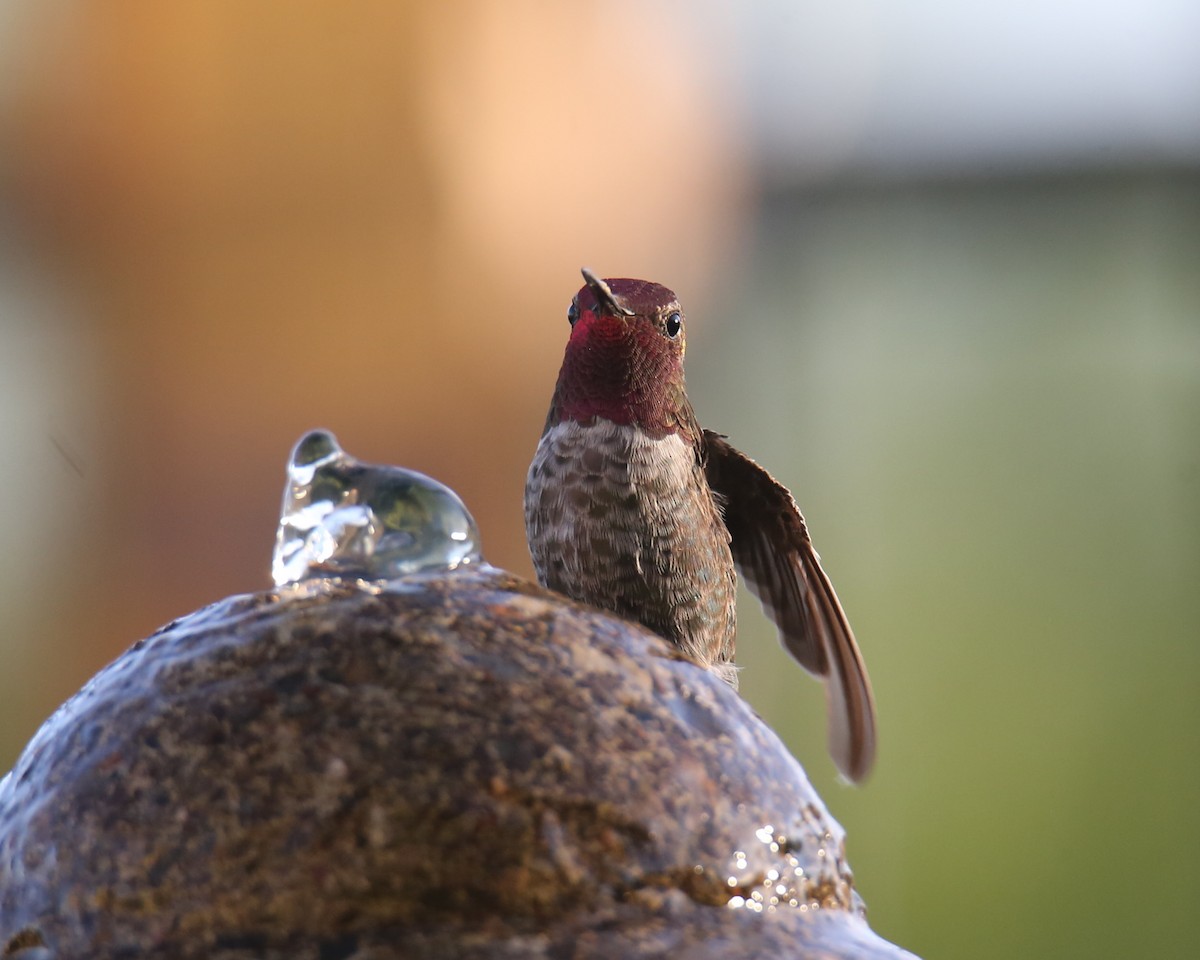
(942, 272)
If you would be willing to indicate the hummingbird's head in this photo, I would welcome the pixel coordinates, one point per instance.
(624, 359)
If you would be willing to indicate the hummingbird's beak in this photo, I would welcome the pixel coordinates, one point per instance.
(605, 298)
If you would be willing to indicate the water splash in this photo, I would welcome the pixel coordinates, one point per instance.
(344, 518)
(772, 877)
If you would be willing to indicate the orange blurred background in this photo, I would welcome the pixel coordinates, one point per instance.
(265, 218)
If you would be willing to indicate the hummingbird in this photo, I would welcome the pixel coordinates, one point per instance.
(633, 508)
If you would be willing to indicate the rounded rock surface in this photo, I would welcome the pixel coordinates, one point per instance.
(455, 764)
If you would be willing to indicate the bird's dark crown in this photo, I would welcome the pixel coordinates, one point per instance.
(641, 297)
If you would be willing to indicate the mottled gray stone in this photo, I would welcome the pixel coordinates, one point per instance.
(458, 765)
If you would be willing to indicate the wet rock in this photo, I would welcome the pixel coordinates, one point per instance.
(451, 764)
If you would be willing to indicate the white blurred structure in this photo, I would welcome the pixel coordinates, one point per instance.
(935, 87)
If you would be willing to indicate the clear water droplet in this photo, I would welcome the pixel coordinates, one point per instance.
(344, 518)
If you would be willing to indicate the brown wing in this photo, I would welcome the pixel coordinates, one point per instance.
(772, 550)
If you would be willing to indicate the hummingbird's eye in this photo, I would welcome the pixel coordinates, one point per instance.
(572, 313)
(673, 324)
